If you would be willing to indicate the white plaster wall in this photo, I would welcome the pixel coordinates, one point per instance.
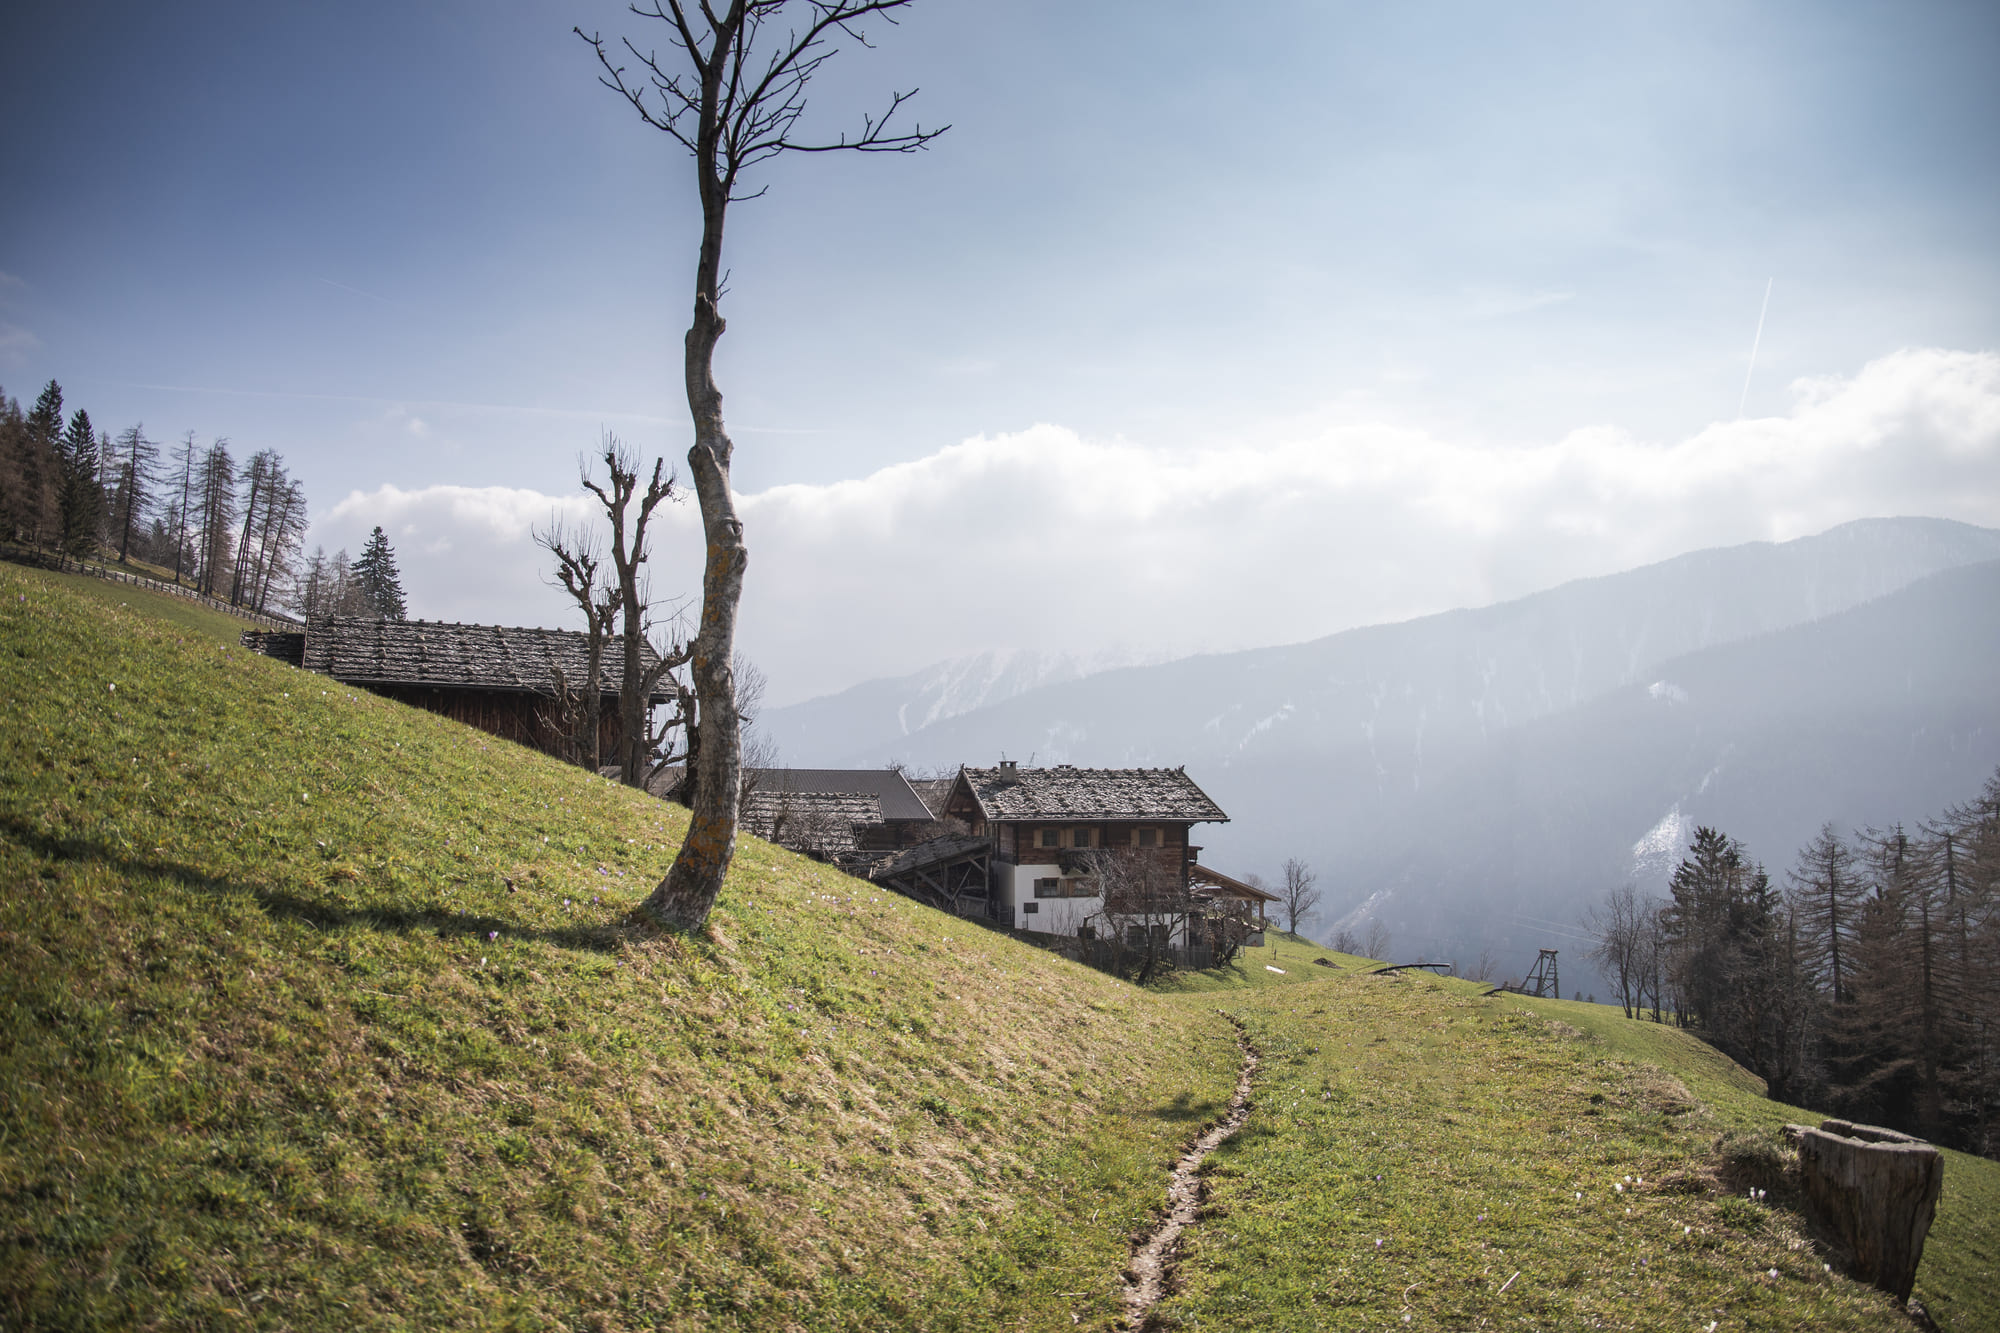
(1052, 916)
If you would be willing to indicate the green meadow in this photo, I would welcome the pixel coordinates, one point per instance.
(321, 1012)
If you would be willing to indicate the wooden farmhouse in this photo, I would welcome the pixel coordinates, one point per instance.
(500, 680)
(1077, 851)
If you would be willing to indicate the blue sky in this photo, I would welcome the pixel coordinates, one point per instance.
(418, 247)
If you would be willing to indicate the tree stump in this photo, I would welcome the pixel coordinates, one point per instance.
(1875, 1189)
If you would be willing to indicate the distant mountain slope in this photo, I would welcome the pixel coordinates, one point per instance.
(874, 716)
(1417, 761)
(1887, 712)
(1412, 696)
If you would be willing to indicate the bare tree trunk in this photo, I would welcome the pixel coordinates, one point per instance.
(686, 896)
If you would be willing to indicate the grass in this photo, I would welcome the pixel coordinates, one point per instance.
(190, 617)
(1283, 960)
(318, 1010)
(1423, 1157)
(1959, 1282)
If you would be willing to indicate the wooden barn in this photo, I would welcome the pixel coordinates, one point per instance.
(501, 680)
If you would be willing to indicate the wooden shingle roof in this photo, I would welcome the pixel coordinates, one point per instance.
(1166, 794)
(359, 650)
(819, 821)
(887, 785)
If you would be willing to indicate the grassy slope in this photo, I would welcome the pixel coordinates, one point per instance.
(281, 1044)
(1459, 1133)
(1297, 959)
(1959, 1282)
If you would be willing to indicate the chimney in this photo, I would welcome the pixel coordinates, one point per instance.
(1008, 772)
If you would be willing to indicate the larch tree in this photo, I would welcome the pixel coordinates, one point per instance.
(40, 443)
(137, 479)
(732, 92)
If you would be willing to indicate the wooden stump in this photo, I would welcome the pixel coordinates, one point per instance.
(1875, 1189)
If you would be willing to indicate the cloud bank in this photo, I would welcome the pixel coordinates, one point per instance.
(1044, 539)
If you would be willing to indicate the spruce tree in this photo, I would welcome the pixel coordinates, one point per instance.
(375, 571)
(79, 498)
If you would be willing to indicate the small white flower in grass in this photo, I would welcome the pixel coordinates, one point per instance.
(1687, 1231)
(1774, 1272)
(1619, 1186)
(114, 687)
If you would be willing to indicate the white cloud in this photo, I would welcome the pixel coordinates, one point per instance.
(1043, 539)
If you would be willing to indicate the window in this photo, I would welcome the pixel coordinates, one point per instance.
(1048, 888)
(1082, 888)
(1051, 837)
(1079, 837)
(1147, 837)
(1027, 908)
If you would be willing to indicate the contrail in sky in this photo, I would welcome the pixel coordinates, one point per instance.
(1753, 348)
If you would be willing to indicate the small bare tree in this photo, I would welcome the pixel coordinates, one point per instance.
(1377, 944)
(628, 521)
(1300, 893)
(581, 705)
(733, 98)
(1141, 908)
(1620, 925)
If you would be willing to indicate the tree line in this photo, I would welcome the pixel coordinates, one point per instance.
(229, 528)
(1869, 982)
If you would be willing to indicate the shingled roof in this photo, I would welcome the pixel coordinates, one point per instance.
(820, 821)
(887, 785)
(358, 650)
(1167, 794)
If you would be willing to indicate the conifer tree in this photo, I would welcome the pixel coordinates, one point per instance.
(34, 499)
(375, 571)
(79, 498)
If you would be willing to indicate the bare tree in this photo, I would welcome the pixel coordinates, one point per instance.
(1300, 893)
(1619, 925)
(1377, 944)
(636, 681)
(577, 559)
(1141, 909)
(733, 98)
(136, 480)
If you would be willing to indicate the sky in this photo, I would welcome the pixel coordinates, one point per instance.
(1201, 328)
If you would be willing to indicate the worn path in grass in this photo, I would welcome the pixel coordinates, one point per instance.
(1414, 1147)
(1153, 1258)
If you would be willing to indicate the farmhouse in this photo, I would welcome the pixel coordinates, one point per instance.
(1072, 849)
(509, 682)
